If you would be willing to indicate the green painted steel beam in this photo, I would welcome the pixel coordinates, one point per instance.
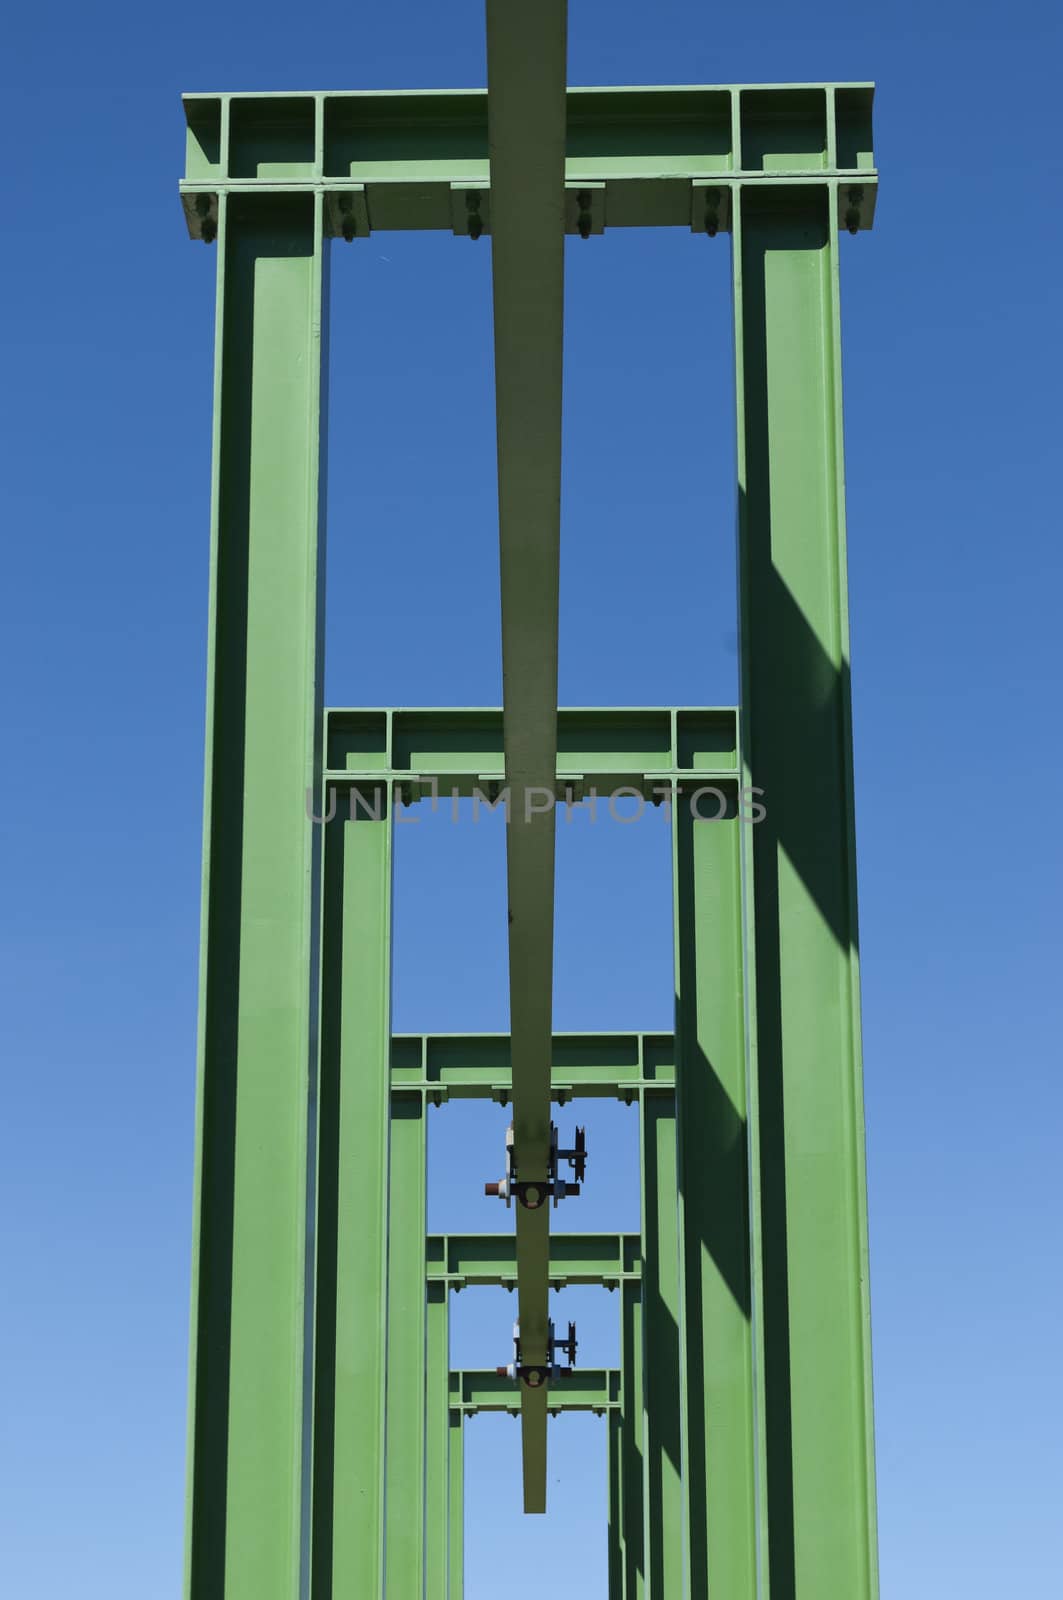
(432, 753)
(811, 1307)
(614, 1481)
(250, 1367)
(474, 1260)
(319, 1304)
(437, 1483)
(663, 1536)
(715, 1328)
(632, 1445)
(526, 78)
(450, 1066)
(646, 157)
(588, 1389)
(404, 1446)
(456, 1506)
(352, 1210)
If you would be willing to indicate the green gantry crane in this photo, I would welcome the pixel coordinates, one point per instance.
(325, 1457)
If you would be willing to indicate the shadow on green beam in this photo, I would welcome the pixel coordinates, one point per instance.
(808, 819)
(284, 230)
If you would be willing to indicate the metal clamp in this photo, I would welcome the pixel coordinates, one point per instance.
(533, 1193)
(539, 1376)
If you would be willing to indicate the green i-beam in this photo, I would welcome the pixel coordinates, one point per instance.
(526, 49)
(326, 1422)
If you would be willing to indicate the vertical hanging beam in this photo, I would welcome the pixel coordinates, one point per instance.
(437, 1446)
(353, 1109)
(526, 70)
(250, 1424)
(797, 746)
(456, 1508)
(716, 1339)
(632, 1476)
(660, 1345)
(404, 1463)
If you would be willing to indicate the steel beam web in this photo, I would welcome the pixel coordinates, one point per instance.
(248, 1473)
(352, 1209)
(812, 1321)
(526, 71)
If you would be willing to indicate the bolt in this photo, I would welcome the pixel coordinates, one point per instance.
(349, 228)
(852, 216)
(712, 226)
(209, 230)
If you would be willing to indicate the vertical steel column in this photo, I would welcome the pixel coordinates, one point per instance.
(437, 1445)
(814, 1316)
(719, 1473)
(456, 1507)
(250, 1422)
(660, 1346)
(614, 1470)
(632, 1496)
(404, 1466)
(354, 1101)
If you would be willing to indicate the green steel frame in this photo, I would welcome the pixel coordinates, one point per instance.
(326, 1425)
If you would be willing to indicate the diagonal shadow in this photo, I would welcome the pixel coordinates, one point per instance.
(796, 744)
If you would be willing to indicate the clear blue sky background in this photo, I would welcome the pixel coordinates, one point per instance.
(952, 352)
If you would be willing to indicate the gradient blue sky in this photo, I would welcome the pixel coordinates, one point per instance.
(952, 350)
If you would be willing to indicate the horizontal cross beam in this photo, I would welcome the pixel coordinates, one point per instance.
(476, 1066)
(432, 753)
(635, 157)
(475, 1260)
(587, 1389)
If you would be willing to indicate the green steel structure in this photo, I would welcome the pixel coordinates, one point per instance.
(326, 1423)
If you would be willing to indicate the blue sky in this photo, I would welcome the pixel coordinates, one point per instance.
(952, 344)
